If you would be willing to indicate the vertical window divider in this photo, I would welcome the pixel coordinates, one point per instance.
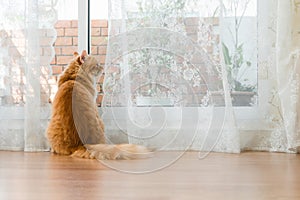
(89, 27)
(84, 26)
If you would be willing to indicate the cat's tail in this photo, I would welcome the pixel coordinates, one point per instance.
(113, 152)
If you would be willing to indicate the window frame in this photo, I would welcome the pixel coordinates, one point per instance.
(84, 26)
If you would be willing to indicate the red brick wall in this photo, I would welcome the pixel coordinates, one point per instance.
(67, 43)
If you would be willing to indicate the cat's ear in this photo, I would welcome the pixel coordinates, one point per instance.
(75, 54)
(83, 56)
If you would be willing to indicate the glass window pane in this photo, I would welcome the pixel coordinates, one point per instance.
(99, 33)
(222, 28)
(67, 38)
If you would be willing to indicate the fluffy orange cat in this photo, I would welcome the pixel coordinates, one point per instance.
(75, 127)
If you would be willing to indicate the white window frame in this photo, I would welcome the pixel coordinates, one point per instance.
(83, 25)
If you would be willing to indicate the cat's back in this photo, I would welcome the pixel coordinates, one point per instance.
(62, 102)
(63, 98)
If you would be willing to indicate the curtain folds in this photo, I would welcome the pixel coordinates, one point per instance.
(27, 34)
(288, 68)
(231, 68)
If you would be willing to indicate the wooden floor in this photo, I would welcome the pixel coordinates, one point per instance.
(252, 176)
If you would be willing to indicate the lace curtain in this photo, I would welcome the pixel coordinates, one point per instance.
(218, 75)
(26, 38)
(278, 71)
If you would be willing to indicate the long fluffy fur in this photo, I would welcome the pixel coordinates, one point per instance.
(75, 127)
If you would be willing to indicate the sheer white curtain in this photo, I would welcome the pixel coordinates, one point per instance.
(288, 68)
(278, 71)
(218, 75)
(26, 38)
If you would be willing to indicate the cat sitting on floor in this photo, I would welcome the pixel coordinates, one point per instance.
(75, 127)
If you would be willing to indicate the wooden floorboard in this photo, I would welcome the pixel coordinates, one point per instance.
(250, 175)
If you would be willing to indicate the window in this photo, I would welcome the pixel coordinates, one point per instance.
(236, 33)
(232, 36)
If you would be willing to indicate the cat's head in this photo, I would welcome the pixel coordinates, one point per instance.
(88, 64)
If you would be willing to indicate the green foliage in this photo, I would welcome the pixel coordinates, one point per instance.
(235, 62)
(226, 55)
